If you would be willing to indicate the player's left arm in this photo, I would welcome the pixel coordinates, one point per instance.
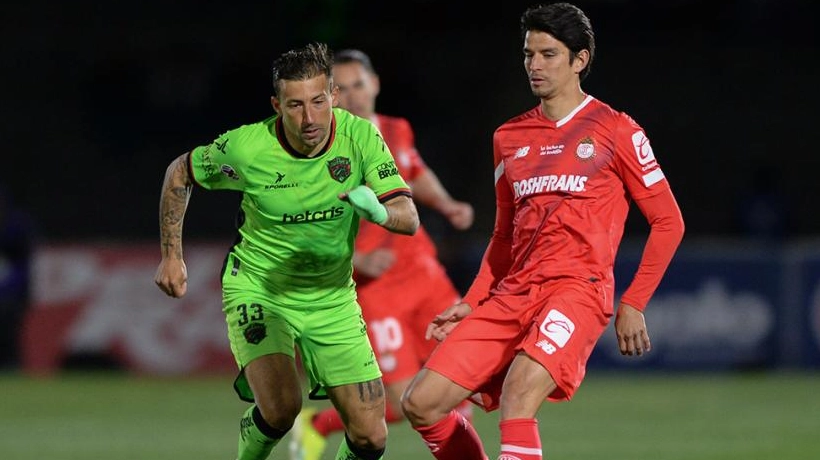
(667, 228)
(402, 215)
(649, 188)
(386, 198)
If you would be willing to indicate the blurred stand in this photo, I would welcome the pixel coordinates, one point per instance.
(16, 251)
(726, 305)
(763, 210)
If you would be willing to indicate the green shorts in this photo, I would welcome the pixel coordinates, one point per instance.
(330, 338)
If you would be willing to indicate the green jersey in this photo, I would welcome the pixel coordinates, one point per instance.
(296, 235)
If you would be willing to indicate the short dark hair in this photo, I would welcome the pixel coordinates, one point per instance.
(299, 64)
(349, 55)
(567, 23)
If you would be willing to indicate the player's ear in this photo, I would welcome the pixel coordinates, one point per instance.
(580, 61)
(334, 95)
(277, 107)
(377, 86)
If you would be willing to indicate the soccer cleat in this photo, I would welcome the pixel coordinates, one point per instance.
(306, 443)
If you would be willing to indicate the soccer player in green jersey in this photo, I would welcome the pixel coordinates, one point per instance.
(306, 174)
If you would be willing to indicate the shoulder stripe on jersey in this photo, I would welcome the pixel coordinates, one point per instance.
(653, 177)
(499, 171)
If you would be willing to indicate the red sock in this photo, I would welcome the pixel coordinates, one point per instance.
(328, 421)
(520, 439)
(452, 438)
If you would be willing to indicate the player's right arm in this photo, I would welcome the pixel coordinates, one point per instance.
(497, 258)
(172, 275)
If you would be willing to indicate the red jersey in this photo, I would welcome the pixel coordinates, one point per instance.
(563, 189)
(413, 252)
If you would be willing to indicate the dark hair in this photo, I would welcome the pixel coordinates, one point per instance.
(567, 23)
(349, 55)
(302, 64)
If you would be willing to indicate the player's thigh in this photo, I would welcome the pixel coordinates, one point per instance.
(336, 350)
(526, 386)
(276, 386)
(257, 328)
(571, 317)
(361, 406)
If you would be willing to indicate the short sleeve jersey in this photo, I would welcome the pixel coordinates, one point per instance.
(295, 233)
(570, 184)
(414, 251)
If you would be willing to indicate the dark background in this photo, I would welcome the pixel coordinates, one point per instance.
(98, 97)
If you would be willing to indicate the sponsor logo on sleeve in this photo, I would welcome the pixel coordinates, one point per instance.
(642, 148)
(387, 169)
(646, 158)
(229, 171)
(208, 162)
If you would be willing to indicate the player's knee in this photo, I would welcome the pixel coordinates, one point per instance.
(368, 438)
(417, 409)
(279, 414)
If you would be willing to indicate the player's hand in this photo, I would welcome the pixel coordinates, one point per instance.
(172, 277)
(446, 321)
(630, 329)
(366, 204)
(459, 213)
(372, 264)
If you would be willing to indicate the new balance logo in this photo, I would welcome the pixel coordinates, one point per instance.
(522, 152)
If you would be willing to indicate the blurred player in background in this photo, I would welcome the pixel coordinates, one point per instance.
(17, 245)
(565, 174)
(287, 282)
(401, 284)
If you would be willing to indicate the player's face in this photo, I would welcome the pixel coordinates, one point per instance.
(306, 108)
(548, 66)
(358, 88)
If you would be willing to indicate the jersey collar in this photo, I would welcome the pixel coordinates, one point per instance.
(283, 140)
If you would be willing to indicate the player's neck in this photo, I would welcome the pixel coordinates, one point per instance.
(561, 105)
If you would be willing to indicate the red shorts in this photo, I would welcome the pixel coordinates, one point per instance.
(397, 314)
(556, 324)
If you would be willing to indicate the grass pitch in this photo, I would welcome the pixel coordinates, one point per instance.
(614, 416)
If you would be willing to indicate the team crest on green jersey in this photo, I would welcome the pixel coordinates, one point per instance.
(339, 168)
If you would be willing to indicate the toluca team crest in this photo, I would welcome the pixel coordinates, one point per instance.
(339, 168)
(586, 149)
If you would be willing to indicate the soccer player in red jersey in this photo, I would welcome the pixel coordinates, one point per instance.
(400, 282)
(566, 172)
